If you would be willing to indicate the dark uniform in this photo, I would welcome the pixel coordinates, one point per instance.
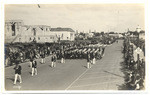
(88, 61)
(53, 59)
(34, 67)
(34, 64)
(17, 73)
(62, 57)
(18, 69)
(43, 57)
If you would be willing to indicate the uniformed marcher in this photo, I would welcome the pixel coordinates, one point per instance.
(53, 59)
(17, 72)
(62, 57)
(43, 57)
(88, 60)
(94, 59)
(34, 67)
(91, 57)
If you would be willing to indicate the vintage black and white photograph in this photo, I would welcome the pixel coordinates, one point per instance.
(74, 47)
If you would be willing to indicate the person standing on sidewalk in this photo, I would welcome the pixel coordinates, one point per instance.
(34, 67)
(17, 69)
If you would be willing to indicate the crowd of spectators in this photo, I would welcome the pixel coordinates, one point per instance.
(134, 70)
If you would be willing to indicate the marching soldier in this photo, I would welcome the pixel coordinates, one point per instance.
(62, 57)
(43, 57)
(34, 67)
(91, 57)
(94, 59)
(53, 59)
(88, 60)
(17, 72)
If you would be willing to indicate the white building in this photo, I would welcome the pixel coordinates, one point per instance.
(63, 33)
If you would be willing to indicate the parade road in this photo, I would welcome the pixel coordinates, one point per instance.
(72, 75)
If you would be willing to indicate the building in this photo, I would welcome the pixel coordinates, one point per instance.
(13, 29)
(38, 33)
(137, 33)
(16, 31)
(63, 33)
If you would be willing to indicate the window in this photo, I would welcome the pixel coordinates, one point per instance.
(38, 38)
(13, 30)
(30, 38)
(34, 31)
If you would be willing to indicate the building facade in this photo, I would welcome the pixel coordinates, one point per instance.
(13, 29)
(63, 33)
(37, 33)
(16, 31)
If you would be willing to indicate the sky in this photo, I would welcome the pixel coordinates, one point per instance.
(81, 17)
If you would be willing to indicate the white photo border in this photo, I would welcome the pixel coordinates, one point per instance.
(147, 46)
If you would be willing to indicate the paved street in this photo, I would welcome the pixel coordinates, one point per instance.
(72, 75)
